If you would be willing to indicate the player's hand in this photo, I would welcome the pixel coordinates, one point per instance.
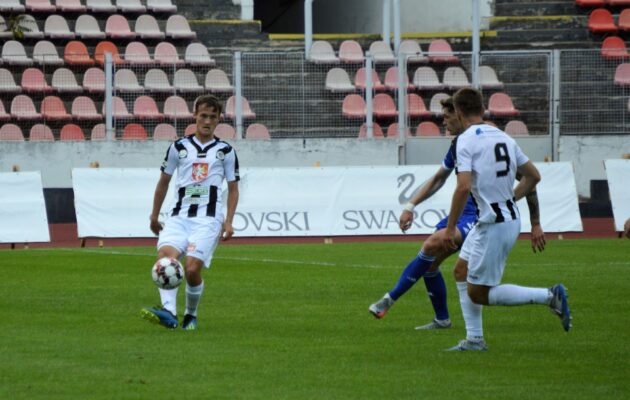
(626, 228)
(448, 239)
(227, 231)
(538, 238)
(406, 218)
(155, 225)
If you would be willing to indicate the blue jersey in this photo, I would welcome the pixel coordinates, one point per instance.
(449, 163)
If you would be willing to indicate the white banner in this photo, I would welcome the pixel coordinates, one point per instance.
(308, 201)
(617, 172)
(22, 208)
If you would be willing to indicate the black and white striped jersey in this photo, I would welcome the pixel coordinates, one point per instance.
(201, 169)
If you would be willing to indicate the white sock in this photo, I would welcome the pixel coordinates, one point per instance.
(169, 299)
(513, 295)
(471, 313)
(193, 294)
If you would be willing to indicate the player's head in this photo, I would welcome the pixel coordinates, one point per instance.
(451, 122)
(468, 103)
(207, 112)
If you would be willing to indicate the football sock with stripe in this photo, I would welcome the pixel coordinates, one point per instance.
(471, 313)
(436, 288)
(193, 294)
(416, 268)
(169, 299)
(513, 295)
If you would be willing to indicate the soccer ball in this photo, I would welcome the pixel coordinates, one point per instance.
(167, 273)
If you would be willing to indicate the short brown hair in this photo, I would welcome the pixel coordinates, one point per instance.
(469, 102)
(210, 101)
(448, 104)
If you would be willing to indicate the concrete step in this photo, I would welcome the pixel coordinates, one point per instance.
(209, 9)
(514, 8)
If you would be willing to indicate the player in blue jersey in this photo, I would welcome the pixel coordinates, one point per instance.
(427, 262)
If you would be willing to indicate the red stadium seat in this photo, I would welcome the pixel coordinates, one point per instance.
(516, 128)
(137, 53)
(391, 79)
(98, 132)
(53, 109)
(144, 107)
(222, 131)
(601, 21)
(384, 106)
(428, 128)
(164, 132)
(94, 80)
(377, 132)
(106, 47)
(624, 20)
(166, 54)
(416, 107)
(614, 48)
(500, 105)
(117, 27)
(33, 81)
(22, 108)
(41, 133)
(230, 109)
(76, 53)
(175, 107)
(622, 75)
(618, 3)
(11, 132)
(191, 129)
(71, 132)
(350, 52)
(257, 131)
(83, 108)
(359, 80)
(440, 51)
(392, 131)
(353, 107)
(134, 132)
(590, 3)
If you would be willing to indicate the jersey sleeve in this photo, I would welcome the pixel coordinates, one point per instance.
(521, 158)
(170, 161)
(230, 166)
(463, 154)
(449, 162)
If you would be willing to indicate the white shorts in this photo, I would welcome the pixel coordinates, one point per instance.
(486, 249)
(195, 237)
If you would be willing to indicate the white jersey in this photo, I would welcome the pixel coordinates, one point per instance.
(201, 169)
(492, 158)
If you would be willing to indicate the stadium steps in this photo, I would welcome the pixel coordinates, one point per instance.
(535, 7)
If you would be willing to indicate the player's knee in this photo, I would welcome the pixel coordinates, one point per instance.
(431, 246)
(460, 273)
(477, 295)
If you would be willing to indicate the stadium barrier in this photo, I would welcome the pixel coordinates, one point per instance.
(617, 172)
(22, 208)
(332, 201)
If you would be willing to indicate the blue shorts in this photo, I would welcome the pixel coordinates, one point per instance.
(464, 224)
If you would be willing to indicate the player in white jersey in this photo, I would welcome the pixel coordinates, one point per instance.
(196, 222)
(487, 162)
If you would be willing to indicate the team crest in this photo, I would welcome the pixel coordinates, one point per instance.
(199, 172)
(183, 153)
(220, 155)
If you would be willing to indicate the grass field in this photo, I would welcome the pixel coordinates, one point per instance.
(291, 322)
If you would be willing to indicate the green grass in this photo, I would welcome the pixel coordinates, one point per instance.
(291, 322)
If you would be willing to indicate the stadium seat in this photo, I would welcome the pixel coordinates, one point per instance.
(175, 107)
(614, 48)
(257, 131)
(590, 3)
(322, 53)
(11, 132)
(428, 128)
(119, 109)
(425, 78)
(488, 78)
(41, 133)
(440, 52)
(384, 106)
(217, 81)
(382, 53)
(516, 128)
(392, 131)
(84, 109)
(350, 52)
(5, 33)
(126, 81)
(618, 3)
(166, 54)
(391, 79)
(94, 80)
(134, 132)
(156, 81)
(106, 47)
(70, 6)
(33, 81)
(377, 132)
(224, 131)
(455, 78)
(39, 6)
(117, 27)
(45, 53)
(13, 53)
(411, 49)
(622, 75)
(601, 21)
(64, 81)
(197, 54)
(100, 6)
(354, 107)
(4, 115)
(500, 105)
(53, 109)
(71, 132)
(7, 84)
(359, 80)
(164, 132)
(147, 28)
(22, 108)
(230, 108)
(416, 107)
(337, 80)
(86, 27)
(434, 106)
(137, 53)
(144, 107)
(185, 81)
(56, 27)
(130, 6)
(164, 6)
(98, 132)
(76, 53)
(177, 28)
(624, 20)
(191, 129)
(12, 6)
(30, 27)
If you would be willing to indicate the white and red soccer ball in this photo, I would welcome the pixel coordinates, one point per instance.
(167, 273)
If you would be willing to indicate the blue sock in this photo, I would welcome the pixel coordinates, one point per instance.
(416, 268)
(437, 293)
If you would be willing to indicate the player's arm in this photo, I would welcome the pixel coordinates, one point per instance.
(158, 199)
(460, 197)
(428, 189)
(232, 201)
(529, 179)
(538, 235)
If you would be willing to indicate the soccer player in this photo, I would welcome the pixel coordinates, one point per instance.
(432, 254)
(626, 228)
(487, 160)
(196, 222)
